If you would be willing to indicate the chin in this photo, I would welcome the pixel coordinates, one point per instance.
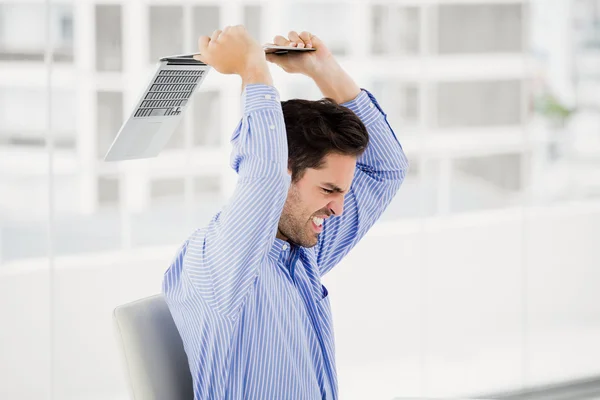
(306, 243)
(311, 243)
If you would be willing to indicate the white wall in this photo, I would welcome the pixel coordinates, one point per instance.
(470, 304)
(434, 307)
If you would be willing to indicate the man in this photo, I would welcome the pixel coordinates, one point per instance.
(245, 292)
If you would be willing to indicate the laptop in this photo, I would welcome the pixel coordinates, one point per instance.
(160, 108)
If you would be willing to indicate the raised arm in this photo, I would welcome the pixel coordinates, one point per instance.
(380, 170)
(379, 173)
(221, 261)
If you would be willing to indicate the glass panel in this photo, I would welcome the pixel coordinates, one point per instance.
(206, 186)
(25, 309)
(474, 28)
(17, 127)
(205, 22)
(302, 17)
(167, 188)
(395, 30)
(399, 100)
(479, 103)
(563, 319)
(109, 41)
(418, 197)
(62, 32)
(207, 119)
(486, 182)
(166, 31)
(108, 191)
(253, 22)
(23, 32)
(167, 220)
(177, 140)
(109, 119)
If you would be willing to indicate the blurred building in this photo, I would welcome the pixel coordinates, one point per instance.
(452, 77)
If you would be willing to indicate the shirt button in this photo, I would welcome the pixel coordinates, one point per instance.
(371, 105)
(285, 246)
(268, 96)
(271, 127)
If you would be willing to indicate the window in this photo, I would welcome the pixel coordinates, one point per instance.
(166, 31)
(205, 22)
(109, 119)
(108, 191)
(395, 30)
(167, 188)
(472, 28)
(207, 186)
(23, 32)
(206, 108)
(479, 103)
(62, 33)
(303, 17)
(399, 100)
(109, 40)
(18, 127)
(253, 22)
(177, 140)
(486, 182)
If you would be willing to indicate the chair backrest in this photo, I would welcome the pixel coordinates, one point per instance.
(153, 353)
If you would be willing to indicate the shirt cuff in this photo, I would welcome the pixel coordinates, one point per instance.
(365, 107)
(258, 96)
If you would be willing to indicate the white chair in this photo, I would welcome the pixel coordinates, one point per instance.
(155, 361)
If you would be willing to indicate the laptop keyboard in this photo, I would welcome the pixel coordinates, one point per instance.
(169, 93)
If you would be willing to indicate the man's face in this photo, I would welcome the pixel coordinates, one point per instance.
(319, 193)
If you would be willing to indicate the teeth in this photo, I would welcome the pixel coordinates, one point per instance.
(318, 221)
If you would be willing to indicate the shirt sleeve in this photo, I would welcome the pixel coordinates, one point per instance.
(379, 173)
(222, 260)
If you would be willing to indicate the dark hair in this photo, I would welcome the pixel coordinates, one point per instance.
(318, 128)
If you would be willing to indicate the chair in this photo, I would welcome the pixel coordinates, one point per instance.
(155, 361)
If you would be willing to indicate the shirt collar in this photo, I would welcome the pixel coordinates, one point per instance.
(279, 248)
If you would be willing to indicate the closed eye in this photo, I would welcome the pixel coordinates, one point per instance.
(328, 191)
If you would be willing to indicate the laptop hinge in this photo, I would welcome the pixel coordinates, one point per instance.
(188, 60)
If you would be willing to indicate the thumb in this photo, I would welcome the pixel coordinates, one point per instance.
(275, 59)
(281, 60)
(202, 47)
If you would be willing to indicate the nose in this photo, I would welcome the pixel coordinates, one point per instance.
(336, 207)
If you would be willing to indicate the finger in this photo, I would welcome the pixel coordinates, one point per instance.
(306, 36)
(216, 35)
(272, 58)
(280, 41)
(277, 59)
(203, 43)
(295, 39)
(199, 57)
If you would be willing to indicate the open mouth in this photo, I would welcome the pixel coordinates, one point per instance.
(317, 224)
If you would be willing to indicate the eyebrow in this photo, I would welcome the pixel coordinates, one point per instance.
(333, 187)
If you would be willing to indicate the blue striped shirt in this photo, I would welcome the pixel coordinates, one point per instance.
(253, 314)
